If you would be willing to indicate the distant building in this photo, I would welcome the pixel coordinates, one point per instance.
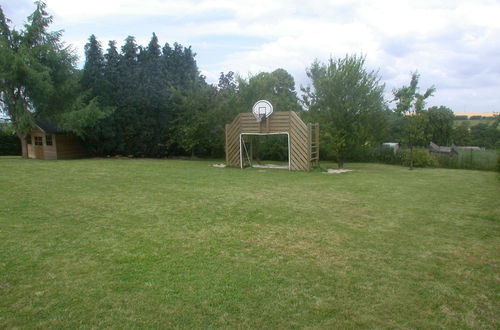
(441, 150)
(393, 145)
(453, 150)
(468, 148)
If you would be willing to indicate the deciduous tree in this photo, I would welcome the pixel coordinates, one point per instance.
(278, 87)
(347, 100)
(440, 124)
(410, 104)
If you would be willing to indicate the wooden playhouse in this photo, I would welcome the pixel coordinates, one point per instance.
(303, 139)
(46, 141)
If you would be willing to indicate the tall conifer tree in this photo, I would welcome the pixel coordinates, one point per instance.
(37, 71)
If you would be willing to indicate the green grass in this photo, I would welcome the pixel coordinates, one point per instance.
(154, 243)
(473, 122)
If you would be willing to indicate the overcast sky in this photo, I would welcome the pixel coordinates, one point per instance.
(454, 45)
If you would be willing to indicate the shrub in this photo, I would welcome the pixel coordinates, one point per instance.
(421, 158)
(9, 144)
(485, 160)
(498, 162)
(461, 117)
(476, 117)
(384, 154)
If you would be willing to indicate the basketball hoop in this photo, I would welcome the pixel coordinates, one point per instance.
(262, 110)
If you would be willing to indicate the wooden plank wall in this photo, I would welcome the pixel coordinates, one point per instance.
(279, 122)
(69, 146)
(49, 152)
(41, 152)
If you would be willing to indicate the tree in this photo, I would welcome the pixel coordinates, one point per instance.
(195, 123)
(36, 70)
(93, 70)
(440, 124)
(153, 95)
(227, 106)
(410, 104)
(140, 83)
(278, 87)
(348, 102)
(461, 134)
(486, 135)
(180, 65)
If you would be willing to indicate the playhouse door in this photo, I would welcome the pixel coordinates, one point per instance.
(38, 152)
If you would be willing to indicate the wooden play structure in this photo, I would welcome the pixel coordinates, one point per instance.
(303, 140)
(46, 141)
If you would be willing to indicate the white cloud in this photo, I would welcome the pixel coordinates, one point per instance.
(454, 44)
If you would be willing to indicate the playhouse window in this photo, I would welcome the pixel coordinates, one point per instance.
(48, 139)
(38, 141)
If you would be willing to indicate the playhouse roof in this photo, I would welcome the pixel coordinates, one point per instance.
(48, 126)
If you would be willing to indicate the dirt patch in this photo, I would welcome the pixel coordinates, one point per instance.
(332, 171)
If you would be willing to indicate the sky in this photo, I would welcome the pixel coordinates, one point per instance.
(453, 44)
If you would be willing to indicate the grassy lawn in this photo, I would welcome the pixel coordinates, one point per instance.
(155, 243)
(473, 122)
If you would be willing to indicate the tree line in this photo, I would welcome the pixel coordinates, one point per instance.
(152, 101)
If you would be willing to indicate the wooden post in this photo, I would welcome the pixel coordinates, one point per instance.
(226, 128)
(251, 150)
(310, 144)
(317, 144)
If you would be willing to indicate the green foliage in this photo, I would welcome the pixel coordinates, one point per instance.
(484, 160)
(278, 87)
(419, 158)
(486, 135)
(145, 90)
(348, 102)
(465, 159)
(195, 124)
(272, 147)
(498, 162)
(461, 134)
(36, 70)
(39, 77)
(92, 77)
(464, 117)
(410, 104)
(408, 99)
(83, 117)
(483, 134)
(439, 125)
(9, 142)
(383, 154)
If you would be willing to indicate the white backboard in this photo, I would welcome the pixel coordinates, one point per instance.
(262, 109)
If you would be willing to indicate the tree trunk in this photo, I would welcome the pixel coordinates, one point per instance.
(340, 163)
(24, 144)
(411, 157)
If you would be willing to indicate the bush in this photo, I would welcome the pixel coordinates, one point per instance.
(9, 144)
(498, 162)
(421, 158)
(384, 154)
(485, 160)
(271, 147)
(461, 117)
(476, 117)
